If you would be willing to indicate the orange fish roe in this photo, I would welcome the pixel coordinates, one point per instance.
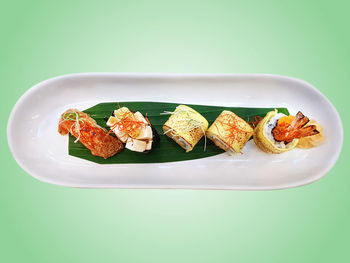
(285, 121)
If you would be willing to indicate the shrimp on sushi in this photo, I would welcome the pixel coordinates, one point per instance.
(278, 133)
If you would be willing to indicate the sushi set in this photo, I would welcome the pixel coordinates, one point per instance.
(275, 133)
(222, 131)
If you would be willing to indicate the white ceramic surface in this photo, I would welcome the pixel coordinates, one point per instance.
(43, 153)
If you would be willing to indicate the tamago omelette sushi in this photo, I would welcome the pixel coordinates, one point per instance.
(185, 126)
(230, 132)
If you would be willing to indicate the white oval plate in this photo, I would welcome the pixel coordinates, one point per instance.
(43, 153)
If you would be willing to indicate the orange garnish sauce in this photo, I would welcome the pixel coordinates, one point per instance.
(128, 124)
(147, 119)
(255, 121)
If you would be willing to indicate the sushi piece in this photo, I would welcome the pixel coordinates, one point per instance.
(133, 129)
(92, 136)
(186, 127)
(125, 124)
(278, 133)
(230, 132)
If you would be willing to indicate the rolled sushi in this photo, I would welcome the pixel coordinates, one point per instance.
(279, 133)
(186, 127)
(230, 132)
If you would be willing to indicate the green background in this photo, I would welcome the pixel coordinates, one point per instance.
(40, 222)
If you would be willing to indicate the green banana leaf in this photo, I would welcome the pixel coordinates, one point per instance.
(167, 150)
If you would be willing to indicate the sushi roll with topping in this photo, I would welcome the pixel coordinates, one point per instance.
(185, 126)
(230, 132)
(89, 133)
(133, 129)
(278, 133)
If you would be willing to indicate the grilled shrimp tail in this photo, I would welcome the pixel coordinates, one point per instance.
(299, 121)
(306, 131)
